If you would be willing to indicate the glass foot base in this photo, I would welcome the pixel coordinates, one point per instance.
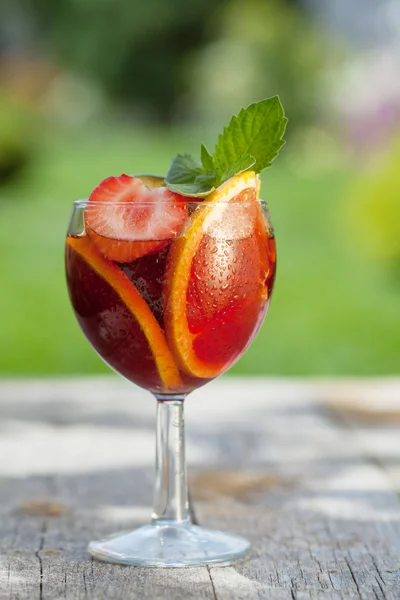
(170, 545)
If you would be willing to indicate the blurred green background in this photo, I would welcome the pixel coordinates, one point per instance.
(93, 89)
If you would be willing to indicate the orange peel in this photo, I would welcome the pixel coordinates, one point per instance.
(180, 339)
(138, 307)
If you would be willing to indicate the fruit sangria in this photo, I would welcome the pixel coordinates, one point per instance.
(170, 279)
(169, 290)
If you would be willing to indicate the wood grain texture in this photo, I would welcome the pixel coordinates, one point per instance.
(311, 487)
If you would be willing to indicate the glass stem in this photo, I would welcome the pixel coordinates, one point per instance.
(171, 493)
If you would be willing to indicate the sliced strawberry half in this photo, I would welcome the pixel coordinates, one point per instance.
(125, 219)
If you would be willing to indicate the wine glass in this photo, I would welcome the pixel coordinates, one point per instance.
(172, 313)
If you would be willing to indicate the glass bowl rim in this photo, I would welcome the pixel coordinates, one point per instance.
(85, 202)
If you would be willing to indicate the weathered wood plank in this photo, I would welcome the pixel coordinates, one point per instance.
(93, 461)
(332, 526)
(45, 556)
(268, 460)
(372, 412)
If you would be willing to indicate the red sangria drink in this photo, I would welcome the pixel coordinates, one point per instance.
(170, 280)
(171, 313)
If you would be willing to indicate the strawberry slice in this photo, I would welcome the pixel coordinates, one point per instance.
(125, 219)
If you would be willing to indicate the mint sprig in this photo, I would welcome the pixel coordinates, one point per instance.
(206, 159)
(252, 139)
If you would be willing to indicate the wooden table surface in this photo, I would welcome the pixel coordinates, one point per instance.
(308, 470)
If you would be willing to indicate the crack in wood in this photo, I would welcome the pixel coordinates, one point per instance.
(376, 566)
(301, 571)
(91, 568)
(84, 583)
(330, 579)
(350, 568)
(37, 554)
(380, 587)
(293, 586)
(212, 583)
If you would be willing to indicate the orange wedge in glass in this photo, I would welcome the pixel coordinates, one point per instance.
(214, 287)
(137, 306)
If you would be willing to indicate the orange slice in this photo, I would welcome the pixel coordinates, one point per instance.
(125, 289)
(228, 218)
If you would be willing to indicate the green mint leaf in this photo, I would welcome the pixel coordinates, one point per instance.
(206, 179)
(184, 169)
(252, 139)
(187, 177)
(194, 190)
(241, 164)
(257, 131)
(206, 159)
